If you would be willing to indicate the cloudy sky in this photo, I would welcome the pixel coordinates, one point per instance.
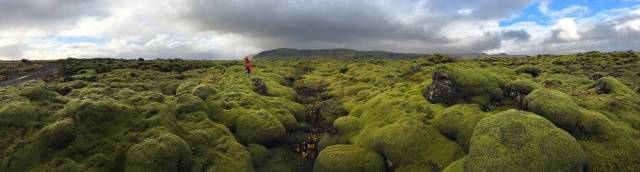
(231, 29)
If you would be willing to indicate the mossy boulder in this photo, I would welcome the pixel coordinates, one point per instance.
(162, 152)
(610, 85)
(99, 114)
(188, 103)
(327, 140)
(186, 87)
(77, 84)
(555, 106)
(440, 58)
(229, 155)
(260, 127)
(530, 69)
(551, 83)
(346, 158)
(35, 90)
(17, 114)
(86, 75)
(410, 145)
(521, 141)
(287, 119)
(259, 154)
(457, 122)
(456, 84)
(205, 91)
(347, 125)
(518, 89)
(457, 166)
(59, 134)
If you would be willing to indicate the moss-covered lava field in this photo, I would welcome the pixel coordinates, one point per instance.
(576, 112)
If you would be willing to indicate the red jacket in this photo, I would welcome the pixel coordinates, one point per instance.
(247, 63)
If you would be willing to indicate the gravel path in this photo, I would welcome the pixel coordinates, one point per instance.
(46, 70)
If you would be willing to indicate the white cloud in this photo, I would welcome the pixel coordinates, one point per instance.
(607, 30)
(567, 30)
(633, 26)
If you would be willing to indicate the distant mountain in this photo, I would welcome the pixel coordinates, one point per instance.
(347, 54)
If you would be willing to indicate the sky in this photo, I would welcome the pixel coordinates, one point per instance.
(232, 29)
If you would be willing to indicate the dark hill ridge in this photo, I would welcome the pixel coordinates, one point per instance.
(347, 54)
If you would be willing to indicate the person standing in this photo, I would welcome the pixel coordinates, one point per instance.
(247, 67)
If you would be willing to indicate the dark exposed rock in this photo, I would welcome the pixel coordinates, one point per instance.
(518, 89)
(344, 69)
(515, 95)
(441, 90)
(261, 88)
(600, 88)
(412, 70)
(456, 84)
(67, 79)
(597, 75)
(64, 90)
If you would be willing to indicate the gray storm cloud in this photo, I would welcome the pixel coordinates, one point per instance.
(520, 35)
(20, 13)
(350, 22)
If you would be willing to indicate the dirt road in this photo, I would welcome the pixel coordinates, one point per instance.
(42, 72)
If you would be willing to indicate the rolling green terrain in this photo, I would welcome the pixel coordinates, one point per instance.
(436, 113)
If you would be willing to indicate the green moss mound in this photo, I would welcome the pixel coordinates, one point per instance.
(521, 141)
(35, 90)
(259, 154)
(347, 125)
(555, 106)
(188, 103)
(260, 127)
(455, 84)
(457, 166)
(458, 122)
(159, 115)
(327, 140)
(530, 69)
(206, 91)
(17, 114)
(78, 84)
(100, 114)
(186, 87)
(59, 134)
(524, 86)
(610, 85)
(229, 155)
(162, 152)
(410, 145)
(345, 158)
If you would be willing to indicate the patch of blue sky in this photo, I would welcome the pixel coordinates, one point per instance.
(532, 12)
(81, 39)
(54, 42)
